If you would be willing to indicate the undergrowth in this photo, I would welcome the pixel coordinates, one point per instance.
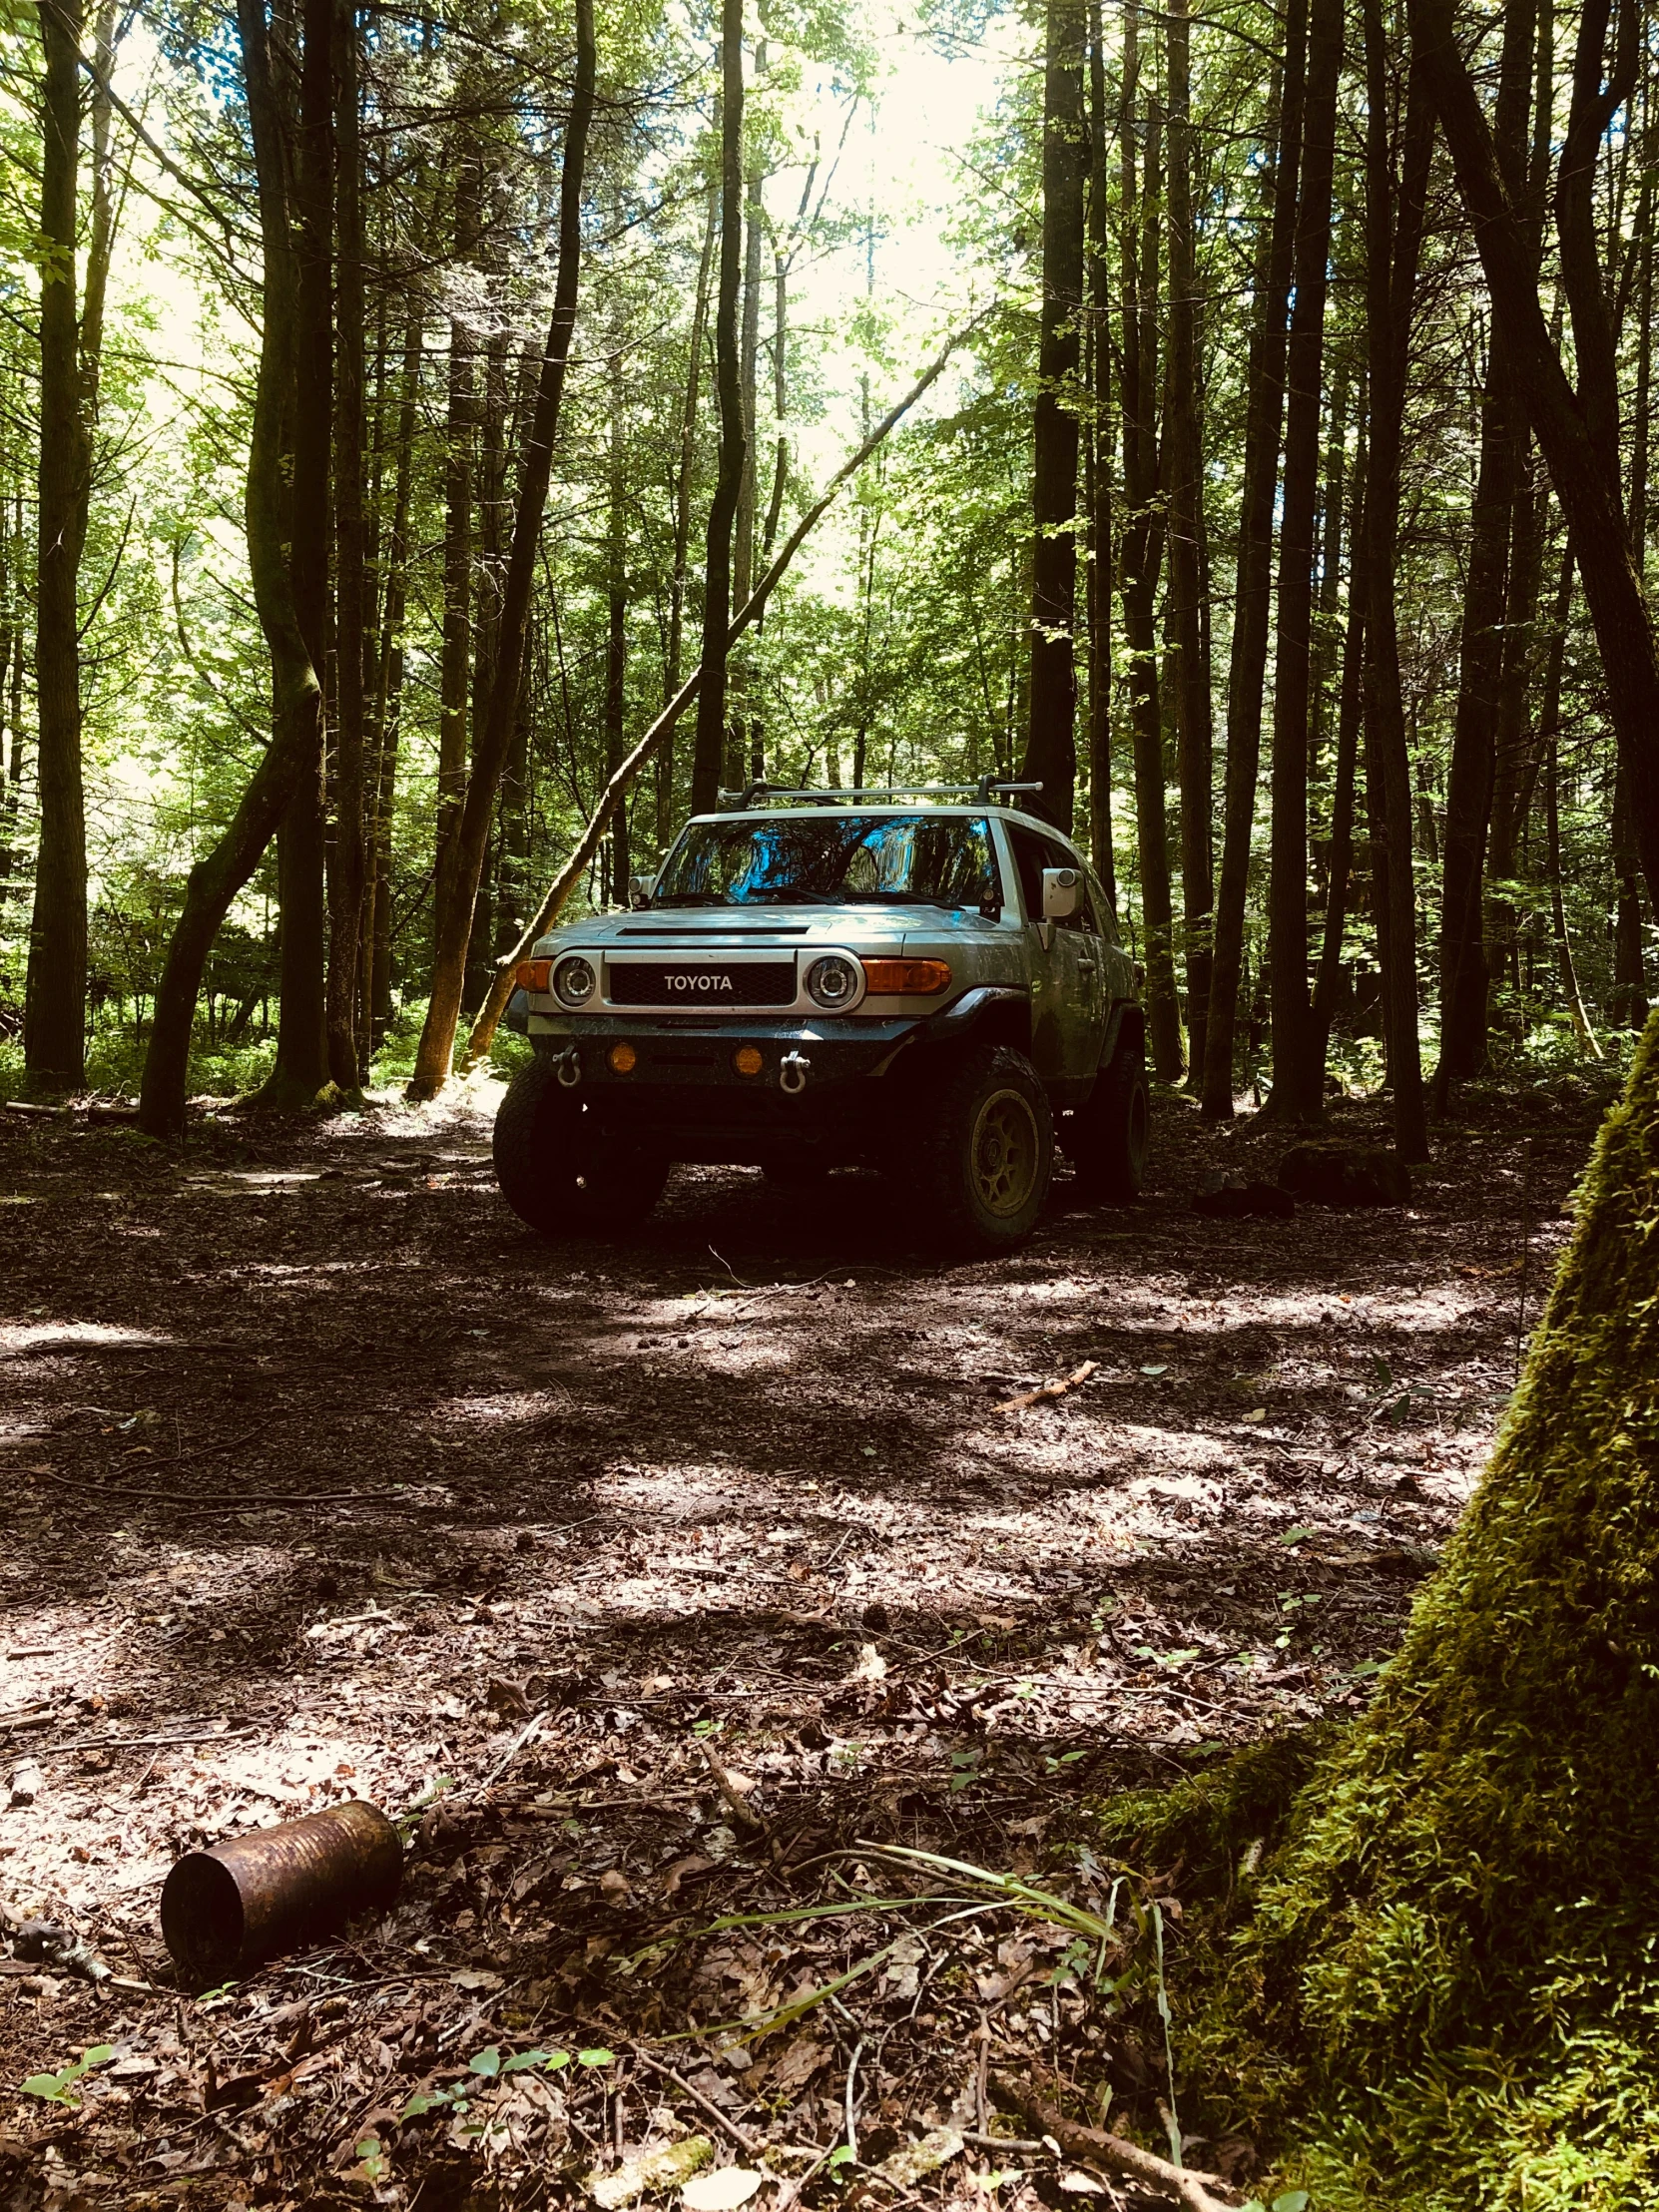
(1427, 1975)
(115, 1059)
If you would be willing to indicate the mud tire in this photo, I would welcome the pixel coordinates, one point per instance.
(1107, 1137)
(982, 1154)
(561, 1173)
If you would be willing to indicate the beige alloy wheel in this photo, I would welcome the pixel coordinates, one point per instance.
(1006, 1153)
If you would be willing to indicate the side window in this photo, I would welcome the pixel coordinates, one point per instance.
(1030, 857)
(1106, 919)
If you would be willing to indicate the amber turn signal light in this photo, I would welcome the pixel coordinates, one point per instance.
(533, 977)
(747, 1060)
(905, 978)
(623, 1059)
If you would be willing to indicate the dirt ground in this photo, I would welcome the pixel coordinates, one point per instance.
(646, 1583)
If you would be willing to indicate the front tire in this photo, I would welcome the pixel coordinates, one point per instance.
(1108, 1136)
(559, 1171)
(986, 1152)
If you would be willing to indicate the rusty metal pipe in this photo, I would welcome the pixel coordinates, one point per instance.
(274, 1888)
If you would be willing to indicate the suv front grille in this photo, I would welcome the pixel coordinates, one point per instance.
(706, 984)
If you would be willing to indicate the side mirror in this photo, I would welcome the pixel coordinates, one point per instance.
(639, 892)
(1062, 892)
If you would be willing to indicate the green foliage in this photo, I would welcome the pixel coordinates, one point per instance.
(60, 2087)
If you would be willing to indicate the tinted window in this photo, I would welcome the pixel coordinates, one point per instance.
(926, 859)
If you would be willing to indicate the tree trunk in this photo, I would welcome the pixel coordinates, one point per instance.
(1516, 754)
(1101, 563)
(1550, 735)
(1051, 735)
(1187, 556)
(388, 699)
(1349, 711)
(616, 655)
(1253, 591)
(15, 616)
(1463, 1899)
(54, 1022)
(345, 856)
(1630, 1005)
(747, 758)
(682, 514)
(709, 750)
(1465, 1009)
(1394, 237)
(1298, 1077)
(1141, 550)
(456, 664)
(452, 916)
(297, 733)
(1577, 431)
(300, 1070)
(490, 503)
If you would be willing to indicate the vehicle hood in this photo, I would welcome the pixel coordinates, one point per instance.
(711, 928)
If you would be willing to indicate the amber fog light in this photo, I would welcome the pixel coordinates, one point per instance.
(747, 1060)
(623, 1059)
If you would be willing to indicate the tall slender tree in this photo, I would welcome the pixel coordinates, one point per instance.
(1253, 589)
(347, 841)
(1394, 201)
(1188, 562)
(296, 690)
(1051, 732)
(53, 1032)
(1298, 1076)
(709, 749)
(301, 1071)
(1141, 540)
(453, 911)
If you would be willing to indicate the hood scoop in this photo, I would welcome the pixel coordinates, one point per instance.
(723, 929)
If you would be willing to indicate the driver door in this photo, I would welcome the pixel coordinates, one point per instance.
(1066, 1021)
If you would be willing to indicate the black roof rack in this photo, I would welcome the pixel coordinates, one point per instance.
(987, 791)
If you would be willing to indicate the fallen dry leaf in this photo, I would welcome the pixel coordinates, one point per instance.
(722, 2191)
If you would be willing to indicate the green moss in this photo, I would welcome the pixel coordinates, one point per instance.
(1446, 1992)
(1206, 1828)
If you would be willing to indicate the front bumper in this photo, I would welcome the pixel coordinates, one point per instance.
(685, 1096)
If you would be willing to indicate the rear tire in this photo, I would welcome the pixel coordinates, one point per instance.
(559, 1171)
(1107, 1138)
(980, 1168)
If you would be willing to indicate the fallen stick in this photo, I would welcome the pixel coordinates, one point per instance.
(1048, 1390)
(145, 1743)
(1092, 2146)
(706, 2105)
(725, 1782)
(616, 791)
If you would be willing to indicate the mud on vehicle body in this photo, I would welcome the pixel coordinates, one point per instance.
(815, 981)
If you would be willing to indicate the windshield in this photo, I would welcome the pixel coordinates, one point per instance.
(925, 860)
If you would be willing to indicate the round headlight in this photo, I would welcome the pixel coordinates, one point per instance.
(832, 981)
(574, 981)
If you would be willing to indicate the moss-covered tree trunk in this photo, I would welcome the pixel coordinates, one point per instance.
(1454, 1960)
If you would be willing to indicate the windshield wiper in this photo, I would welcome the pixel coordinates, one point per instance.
(788, 895)
(691, 898)
(898, 898)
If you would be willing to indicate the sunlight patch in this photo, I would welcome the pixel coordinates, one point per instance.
(74, 1336)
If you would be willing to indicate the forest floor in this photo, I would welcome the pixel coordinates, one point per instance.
(646, 1582)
